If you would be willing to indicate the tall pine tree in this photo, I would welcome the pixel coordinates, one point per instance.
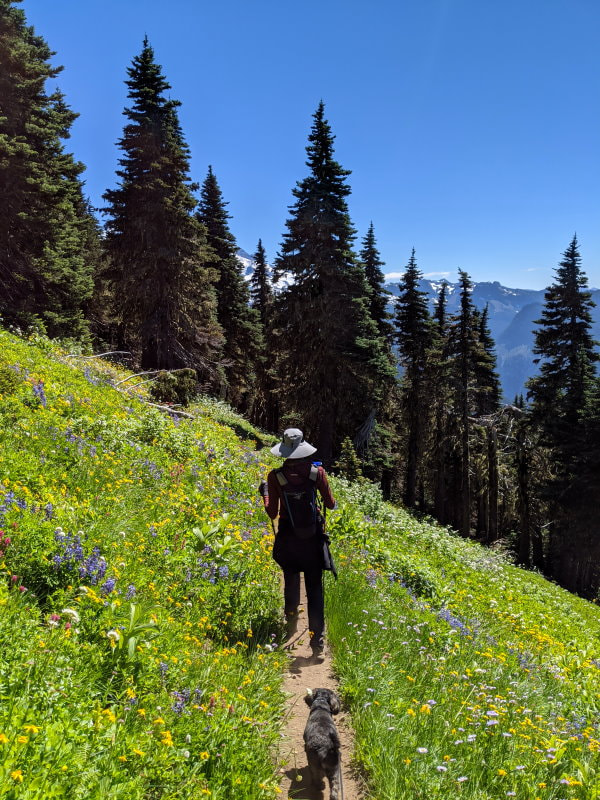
(379, 296)
(464, 351)
(48, 238)
(331, 354)
(563, 409)
(160, 266)
(239, 321)
(261, 291)
(265, 408)
(414, 339)
(566, 353)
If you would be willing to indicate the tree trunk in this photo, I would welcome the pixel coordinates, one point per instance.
(492, 454)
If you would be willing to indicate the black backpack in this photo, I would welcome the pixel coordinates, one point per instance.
(301, 503)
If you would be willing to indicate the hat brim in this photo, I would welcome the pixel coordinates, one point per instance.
(303, 450)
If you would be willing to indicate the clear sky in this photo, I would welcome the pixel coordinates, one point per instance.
(472, 127)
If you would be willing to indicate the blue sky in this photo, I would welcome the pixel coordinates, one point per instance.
(472, 127)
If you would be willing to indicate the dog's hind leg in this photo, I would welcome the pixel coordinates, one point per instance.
(316, 770)
(334, 784)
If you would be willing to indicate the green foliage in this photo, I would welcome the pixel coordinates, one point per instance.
(240, 322)
(179, 386)
(348, 464)
(134, 660)
(338, 369)
(48, 236)
(159, 271)
(10, 381)
(464, 675)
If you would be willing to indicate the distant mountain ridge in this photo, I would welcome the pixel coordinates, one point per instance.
(512, 315)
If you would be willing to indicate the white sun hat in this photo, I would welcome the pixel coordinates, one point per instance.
(293, 445)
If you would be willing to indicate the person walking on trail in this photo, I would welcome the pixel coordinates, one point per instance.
(291, 493)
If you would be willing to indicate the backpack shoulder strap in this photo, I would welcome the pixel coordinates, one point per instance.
(281, 477)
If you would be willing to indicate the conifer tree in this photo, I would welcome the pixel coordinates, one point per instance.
(414, 339)
(566, 353)
(261, 292)
(564, 405)
(48, 238)
(239, 321)
(379, 297)
(487, 383)
(159, 262)
(438, 389)
(464, 352)
(332, 356)
(265, 409)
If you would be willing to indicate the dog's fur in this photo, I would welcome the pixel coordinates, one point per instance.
(321, 740)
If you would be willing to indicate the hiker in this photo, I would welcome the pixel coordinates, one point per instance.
(291, 493)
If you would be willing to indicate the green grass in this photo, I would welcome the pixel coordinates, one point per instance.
(139, 603)
(465, 675)
(140, 615)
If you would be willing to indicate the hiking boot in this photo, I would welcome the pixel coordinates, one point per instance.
(317, 645)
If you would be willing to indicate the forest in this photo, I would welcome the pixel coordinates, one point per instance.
(389, 392)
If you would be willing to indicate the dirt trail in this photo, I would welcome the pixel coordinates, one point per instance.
(307, 671)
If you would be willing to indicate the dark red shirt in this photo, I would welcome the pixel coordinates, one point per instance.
(297, 472)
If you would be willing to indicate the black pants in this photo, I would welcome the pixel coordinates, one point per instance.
(313, 583)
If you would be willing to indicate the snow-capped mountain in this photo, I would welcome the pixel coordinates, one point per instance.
(511, 316)
(247, 263)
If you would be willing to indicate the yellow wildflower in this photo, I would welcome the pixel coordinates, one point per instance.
(17, 775)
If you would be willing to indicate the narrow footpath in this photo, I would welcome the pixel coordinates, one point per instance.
(307, 671)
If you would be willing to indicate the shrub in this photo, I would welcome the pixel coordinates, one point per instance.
(179, 386)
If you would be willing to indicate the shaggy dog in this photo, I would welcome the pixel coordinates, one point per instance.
(321, 740)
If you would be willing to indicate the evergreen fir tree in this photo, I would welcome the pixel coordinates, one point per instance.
(261, 292)
(564, 410)
(438, 389)
(333, 359)
(159, 262)
(566, 353)
(265, 409)
(379, 297)
(414, 339)
(464, 352)
(48, 239)
(239, 321)
(487, 389)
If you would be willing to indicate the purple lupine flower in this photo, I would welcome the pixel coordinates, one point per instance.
(181, 700)
(130, 591)
(108, 586)
(38, 391)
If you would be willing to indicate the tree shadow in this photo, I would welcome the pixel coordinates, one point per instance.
(301, 786)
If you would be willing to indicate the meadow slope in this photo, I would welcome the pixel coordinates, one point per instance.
(140, 617)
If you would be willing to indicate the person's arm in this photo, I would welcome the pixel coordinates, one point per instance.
(325, 490)
(271, 498)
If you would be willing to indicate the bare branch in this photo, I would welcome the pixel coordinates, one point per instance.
(101, 355)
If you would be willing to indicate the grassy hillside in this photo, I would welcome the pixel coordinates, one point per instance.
(465, 675)
(139, 600)
(139, 618)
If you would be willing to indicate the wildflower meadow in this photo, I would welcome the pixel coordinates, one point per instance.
(141, 632)
(466, 676)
